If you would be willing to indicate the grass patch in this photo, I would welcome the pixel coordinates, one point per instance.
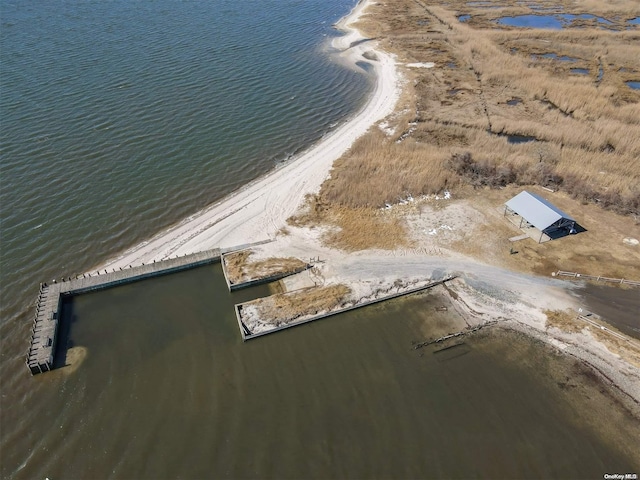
(353, 228)
(284, 308)
(240, 269)
(564, 320)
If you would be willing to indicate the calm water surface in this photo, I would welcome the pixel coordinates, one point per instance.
(169, 390)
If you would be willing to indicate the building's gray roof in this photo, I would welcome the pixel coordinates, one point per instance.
(536, 210)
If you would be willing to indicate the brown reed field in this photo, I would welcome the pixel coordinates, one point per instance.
(489, 82)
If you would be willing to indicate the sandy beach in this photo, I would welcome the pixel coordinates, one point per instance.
(257, 211)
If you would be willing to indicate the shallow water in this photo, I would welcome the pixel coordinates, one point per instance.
(634, 85)
(169, 390)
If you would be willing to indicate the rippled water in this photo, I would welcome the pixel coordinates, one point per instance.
(121, 118)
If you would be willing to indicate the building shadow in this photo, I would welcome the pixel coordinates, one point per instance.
(564, 231)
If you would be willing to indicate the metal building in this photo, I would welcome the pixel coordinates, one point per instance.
(537, 212)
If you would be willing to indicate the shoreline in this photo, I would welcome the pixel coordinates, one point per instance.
(257, 211)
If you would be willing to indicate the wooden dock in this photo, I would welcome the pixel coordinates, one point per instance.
(45, 324)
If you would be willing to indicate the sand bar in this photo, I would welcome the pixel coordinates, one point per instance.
(257, 211)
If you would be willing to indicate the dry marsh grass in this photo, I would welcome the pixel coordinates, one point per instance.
(587, 128)
(564, 320)
(240, 269)
(284, 308)
(353, 228)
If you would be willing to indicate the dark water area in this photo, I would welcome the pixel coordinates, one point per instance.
(620, 307)
(168, 390)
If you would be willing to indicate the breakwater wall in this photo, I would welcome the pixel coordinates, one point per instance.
(43, 341)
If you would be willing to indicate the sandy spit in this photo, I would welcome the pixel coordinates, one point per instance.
(257, 211)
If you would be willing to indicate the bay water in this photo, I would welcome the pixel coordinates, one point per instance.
(120, 119)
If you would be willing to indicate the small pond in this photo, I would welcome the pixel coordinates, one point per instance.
(514, 101)
(634, 21)
(464, 18)
(549, 22)
(633, 84)
(516, 139)
(580, 71)
(554, 56)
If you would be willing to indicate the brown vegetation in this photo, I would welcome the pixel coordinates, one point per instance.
(353, 228)
(240, 270)
(284, 308)
(564, 320)
(457, 114)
